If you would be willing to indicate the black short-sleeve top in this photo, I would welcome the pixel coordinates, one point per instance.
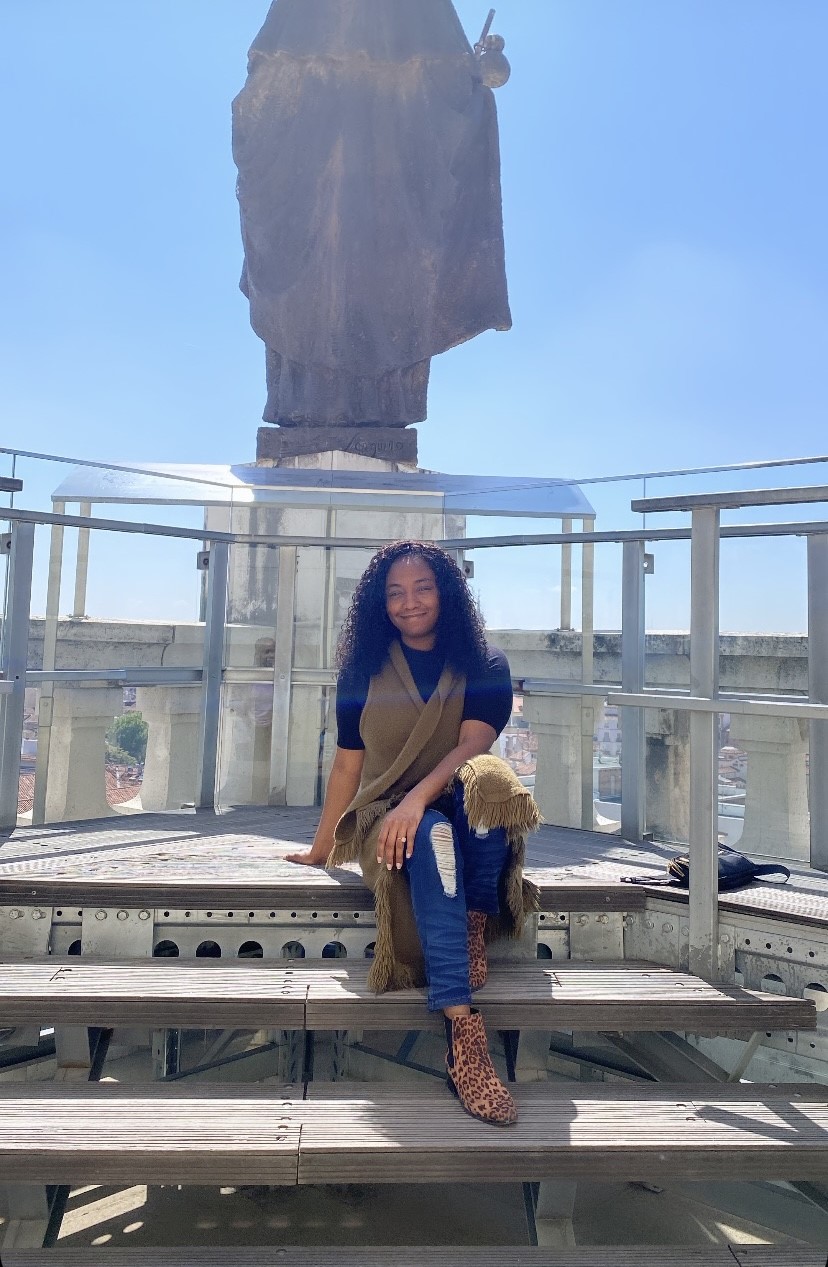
(488, 694)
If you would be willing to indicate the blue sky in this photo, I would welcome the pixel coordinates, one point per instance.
(665, 203)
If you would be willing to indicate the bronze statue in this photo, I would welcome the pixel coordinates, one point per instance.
(369, 185)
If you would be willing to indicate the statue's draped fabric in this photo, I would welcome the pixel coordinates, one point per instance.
(369, 187)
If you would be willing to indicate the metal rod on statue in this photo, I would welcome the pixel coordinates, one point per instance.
(479, 46)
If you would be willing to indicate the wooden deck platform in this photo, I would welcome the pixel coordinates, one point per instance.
(205, 861)
(449, 1256)
(331, 994)
(108, 1133)
(402, 1256)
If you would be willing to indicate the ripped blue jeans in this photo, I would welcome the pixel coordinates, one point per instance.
(452, 870)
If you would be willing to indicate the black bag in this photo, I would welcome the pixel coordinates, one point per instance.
(735, 871)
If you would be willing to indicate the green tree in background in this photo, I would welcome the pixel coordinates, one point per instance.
(128, 733)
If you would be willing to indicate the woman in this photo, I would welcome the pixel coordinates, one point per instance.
(437, 825)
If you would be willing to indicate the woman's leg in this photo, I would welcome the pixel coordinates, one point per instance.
(435, 876)
(485, 854)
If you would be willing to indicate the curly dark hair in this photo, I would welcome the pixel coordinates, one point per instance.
(368, 633)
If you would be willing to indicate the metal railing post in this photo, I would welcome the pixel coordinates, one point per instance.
(818, 694)
(82, 564)
(587, 678)
(566, 578)
(633, 752)
(214, 628)
(47, 689)
(282, 670)
(13, 661)
(704, 677)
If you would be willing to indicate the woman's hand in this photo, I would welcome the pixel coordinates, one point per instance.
(313, 857)
(399, 827)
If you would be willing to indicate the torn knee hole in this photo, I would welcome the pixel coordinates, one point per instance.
(441, 837)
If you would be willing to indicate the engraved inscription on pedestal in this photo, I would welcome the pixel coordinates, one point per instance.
(392, 444)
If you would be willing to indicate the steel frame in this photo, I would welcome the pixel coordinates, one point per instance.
(703, 701)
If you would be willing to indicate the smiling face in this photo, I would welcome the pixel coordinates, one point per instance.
(412, 602)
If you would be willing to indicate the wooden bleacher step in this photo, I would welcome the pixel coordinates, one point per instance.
(109, 1133)
(334, 994)
(448, 1256)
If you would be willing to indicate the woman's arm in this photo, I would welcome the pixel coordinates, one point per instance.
(343, 786)
(396, 837)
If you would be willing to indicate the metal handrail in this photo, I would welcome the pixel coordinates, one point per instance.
(630, 477)
(111, 466)
(732, 500)
(799, 528)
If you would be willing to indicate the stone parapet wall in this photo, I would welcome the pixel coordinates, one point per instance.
(749, 662)
(752, 662)
(776, 810)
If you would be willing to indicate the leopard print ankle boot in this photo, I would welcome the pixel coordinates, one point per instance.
(471, 1074)
(478, 964)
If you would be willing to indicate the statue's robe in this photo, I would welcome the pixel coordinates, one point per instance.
(369, 187)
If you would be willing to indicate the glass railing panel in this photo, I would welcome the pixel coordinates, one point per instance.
(763, 787)
(540, 588)
(667, 615)
(606, 769)
(97, 644)
(667, 774)
(4, 563)
(271, 756)
(731, 783)
(97, 750)
(763, 582)
(154, 486)
(245, 745)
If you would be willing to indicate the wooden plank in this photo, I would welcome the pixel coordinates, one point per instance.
(779, 1256)
(334, 994)
(685, 1133)
(306, 889)
(568, 995)
(632, 1091)
(402, 1256)
(586, 895)
(108, 1133)
(203, 993)
(321, 892)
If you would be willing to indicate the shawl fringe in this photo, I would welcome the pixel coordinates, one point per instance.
(387, 972)
(348, 849)
(493, 796)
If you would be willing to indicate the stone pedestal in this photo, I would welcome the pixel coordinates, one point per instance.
(388, 444)
(668, 774)
(556, 720)
(776, 796)
(172, 714)
(81, 716)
